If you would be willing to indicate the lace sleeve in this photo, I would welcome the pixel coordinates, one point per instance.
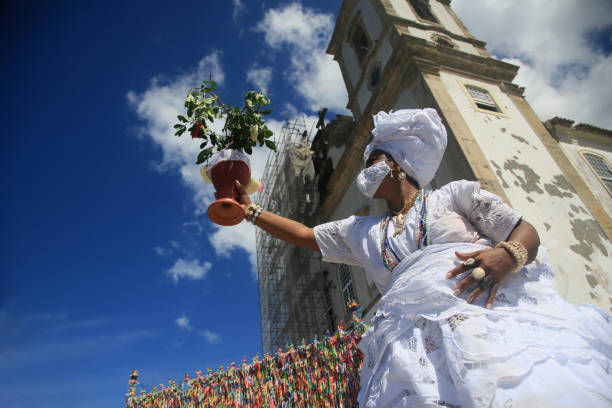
(332, 239)
(487, 212)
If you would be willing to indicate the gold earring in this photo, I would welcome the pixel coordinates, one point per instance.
(391, 174)
(401, 176)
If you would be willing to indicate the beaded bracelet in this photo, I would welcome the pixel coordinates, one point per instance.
(518, 252)
(256, 215)
(252, 213)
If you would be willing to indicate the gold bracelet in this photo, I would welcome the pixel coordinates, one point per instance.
(517, 251)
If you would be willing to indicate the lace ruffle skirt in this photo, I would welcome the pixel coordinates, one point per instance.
(427, 347)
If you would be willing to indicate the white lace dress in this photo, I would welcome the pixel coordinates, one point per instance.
(428, 348)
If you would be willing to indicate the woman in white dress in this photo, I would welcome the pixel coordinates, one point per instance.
(435, 341)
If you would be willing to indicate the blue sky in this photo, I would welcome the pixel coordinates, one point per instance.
(108, 261)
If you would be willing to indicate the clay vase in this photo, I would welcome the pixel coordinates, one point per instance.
(225, 210)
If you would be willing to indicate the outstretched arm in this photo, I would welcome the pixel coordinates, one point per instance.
(282, 228)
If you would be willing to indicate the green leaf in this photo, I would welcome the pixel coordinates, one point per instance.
(203, 145)
(201, 157)
(178, 126)
(182, 118)
(204, 155)
(266, 111)
(271, 144)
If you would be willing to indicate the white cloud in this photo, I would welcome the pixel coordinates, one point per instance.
(210, 336)
(238, 8)
(313, 74)
(183, 322)
(163, 252)
(260, 77)
(159, 104)
(158, 107)
(191, 269)
(196, 225)
(225, 240)
(564, 73)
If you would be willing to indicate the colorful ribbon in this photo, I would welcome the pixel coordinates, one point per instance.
(320, 374)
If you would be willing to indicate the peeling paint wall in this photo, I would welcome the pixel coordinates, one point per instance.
(537, 188)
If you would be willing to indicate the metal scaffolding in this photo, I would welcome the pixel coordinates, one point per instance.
(292, 299)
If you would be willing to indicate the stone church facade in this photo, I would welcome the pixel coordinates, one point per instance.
(399, 54)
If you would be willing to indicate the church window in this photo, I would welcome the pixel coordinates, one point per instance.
(482, 98)
(359, 41)
(346, 283)
(423, 10)
(601, 168)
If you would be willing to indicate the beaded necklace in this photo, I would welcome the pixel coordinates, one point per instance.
(389, 257)
(390, 260)
(423, 235)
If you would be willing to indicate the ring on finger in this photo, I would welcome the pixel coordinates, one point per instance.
(486, 283)
(470, 263)
(478, 273)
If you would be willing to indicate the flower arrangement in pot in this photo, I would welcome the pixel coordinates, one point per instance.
(226, 152)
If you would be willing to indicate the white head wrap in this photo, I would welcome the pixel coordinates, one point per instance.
(415, 138)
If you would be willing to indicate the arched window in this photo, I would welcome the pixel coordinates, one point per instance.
(601, 168)
(359, 41)
(421, 7)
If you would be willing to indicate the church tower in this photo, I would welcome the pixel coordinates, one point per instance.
(398, 54)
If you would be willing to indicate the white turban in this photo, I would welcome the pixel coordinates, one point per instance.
(415, 138)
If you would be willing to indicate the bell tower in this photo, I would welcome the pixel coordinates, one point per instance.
(401, 54)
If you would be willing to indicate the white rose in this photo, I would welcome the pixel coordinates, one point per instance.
(254, 133)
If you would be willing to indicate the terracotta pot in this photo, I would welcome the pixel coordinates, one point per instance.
(226, 210)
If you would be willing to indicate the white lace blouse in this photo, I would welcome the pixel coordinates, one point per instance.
(458, 212)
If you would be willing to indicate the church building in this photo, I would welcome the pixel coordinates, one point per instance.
(402, 54)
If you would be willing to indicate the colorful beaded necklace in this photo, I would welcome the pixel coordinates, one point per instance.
(389, 257)
(423, 235)
(390, 260)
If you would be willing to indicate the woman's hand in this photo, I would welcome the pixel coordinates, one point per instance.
(497, 263)
(243, 198)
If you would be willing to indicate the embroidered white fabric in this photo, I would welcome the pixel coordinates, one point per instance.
(427, 347)
(224, 155)
(370, 178)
